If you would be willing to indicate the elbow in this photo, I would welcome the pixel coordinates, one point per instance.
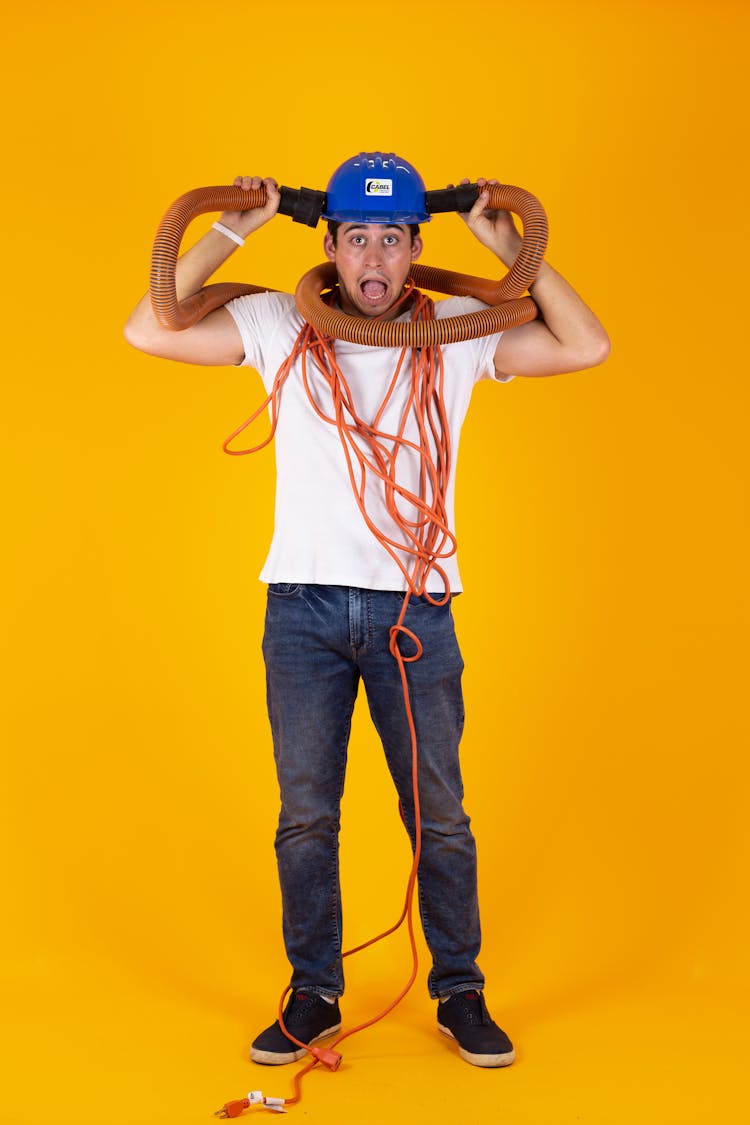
(132, 335)
(603, 350)
(597, 350)
(138, 336)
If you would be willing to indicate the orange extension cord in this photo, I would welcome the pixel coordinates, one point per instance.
(428, 538)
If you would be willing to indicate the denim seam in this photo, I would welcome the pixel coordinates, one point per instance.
(337, 866)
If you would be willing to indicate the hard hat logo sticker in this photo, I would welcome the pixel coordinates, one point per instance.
(378, 187)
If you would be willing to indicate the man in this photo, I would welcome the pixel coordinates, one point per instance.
(334, 593)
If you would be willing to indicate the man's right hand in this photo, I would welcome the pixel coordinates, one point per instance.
(244, 223)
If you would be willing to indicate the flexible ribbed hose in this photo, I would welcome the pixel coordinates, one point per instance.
(507, 307)
(179, 315)
(411, 334)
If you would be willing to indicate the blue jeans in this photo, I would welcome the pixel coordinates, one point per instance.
(319, 641)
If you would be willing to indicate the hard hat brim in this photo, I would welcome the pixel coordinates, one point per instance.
(385, 217)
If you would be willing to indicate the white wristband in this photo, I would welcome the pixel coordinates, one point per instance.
(229, 234)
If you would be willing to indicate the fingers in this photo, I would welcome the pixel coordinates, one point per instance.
(482, 205)
(254, 183)
(256, 211)
(482, 199)
(483, 184)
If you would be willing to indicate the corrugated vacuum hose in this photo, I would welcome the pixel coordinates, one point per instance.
(507, 306)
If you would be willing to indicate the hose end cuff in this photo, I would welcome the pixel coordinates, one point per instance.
(303, 206)
(461, 198)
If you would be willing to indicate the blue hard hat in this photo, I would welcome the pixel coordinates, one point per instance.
(376, 187)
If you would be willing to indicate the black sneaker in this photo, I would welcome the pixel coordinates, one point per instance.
(464, 1017)
(309, 1017)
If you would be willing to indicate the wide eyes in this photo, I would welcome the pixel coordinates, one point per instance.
(360, 240)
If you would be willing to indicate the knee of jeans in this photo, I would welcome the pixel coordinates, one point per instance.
(442, 804)
(301, 820)
(446, 825)
(440, 817)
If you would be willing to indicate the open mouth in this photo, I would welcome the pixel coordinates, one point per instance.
(373, 290)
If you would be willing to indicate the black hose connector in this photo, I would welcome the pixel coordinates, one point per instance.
(461, 198)
(303, 206)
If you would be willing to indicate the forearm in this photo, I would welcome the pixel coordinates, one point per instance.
(214, 339)
(567, 336)
(193, 270)
(566, 315)
(564, 312)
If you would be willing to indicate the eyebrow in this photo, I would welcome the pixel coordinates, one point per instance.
(363, 226)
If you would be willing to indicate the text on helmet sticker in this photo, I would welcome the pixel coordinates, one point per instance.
(378, 187)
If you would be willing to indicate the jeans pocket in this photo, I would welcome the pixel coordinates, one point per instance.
(420, 601)
(284, 589)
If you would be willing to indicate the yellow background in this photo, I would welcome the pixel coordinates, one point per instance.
(602, 532)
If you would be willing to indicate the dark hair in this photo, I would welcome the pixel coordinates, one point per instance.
(333, 229)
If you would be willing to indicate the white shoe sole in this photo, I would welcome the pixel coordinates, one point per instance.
(278, 1058)
(479, 1060)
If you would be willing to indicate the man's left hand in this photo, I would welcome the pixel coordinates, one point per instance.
(494, 229)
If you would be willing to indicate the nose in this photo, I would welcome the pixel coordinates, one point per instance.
(374, 253)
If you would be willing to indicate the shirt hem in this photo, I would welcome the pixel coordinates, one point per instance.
(361, 583)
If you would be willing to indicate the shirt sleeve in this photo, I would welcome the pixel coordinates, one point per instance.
(258, 317)
(483, 347)
(489, 370)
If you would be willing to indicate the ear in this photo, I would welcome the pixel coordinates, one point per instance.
(329, 247)
(417, 247)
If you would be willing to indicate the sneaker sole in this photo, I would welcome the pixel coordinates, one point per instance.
(278, 1058)
(479, 1060)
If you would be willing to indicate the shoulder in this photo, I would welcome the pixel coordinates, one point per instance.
(260, 306)
(259, 314)
(457, 306)
(476, 356)
(265, 322)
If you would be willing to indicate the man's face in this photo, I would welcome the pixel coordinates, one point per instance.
(373, 262)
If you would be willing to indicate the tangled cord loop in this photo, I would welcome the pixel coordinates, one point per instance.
(424, 536)
(394, 646)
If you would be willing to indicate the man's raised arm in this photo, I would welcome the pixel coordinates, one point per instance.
(215, 340)
(568, 337)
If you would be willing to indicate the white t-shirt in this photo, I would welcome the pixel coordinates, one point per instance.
(319, 533)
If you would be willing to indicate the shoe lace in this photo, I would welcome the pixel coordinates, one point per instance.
(475, 1009)
(299, 1007)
